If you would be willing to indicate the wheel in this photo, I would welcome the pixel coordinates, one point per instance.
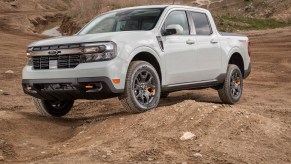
(232, 88)
(142, 88)
(164, 94)
(53, 108)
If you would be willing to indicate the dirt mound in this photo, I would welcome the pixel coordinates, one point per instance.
(154, 136)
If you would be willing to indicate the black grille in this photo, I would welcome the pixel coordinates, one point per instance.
(63, 61)
(56, 47)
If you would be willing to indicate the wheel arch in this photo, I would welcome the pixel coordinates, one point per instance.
(237, 59)
(149, 55)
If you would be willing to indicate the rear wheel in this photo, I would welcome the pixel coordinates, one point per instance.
(55, 108)
(142, 88)
(232, 88)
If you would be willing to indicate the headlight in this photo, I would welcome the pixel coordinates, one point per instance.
(28, 55)
(98, 51)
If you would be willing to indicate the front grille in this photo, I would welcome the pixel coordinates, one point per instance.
(63, 61)
(56, 47)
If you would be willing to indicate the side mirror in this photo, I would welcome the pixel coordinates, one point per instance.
(174, 29)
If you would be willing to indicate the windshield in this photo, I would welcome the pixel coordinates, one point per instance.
(125, 20)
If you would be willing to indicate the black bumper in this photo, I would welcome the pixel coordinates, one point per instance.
(248, 71)
(70, 88)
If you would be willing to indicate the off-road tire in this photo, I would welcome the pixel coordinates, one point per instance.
(129, 99)
(225, 91)
(45, 107)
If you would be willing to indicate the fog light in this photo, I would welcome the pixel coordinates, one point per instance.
(116, 81)
(89, 86)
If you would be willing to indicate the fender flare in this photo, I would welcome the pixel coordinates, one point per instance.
(231, 52)
(152, 52)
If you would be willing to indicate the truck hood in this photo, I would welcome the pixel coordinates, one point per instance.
(110, 36)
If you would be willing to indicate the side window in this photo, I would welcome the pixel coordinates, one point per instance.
(180, 18)
(201, 22)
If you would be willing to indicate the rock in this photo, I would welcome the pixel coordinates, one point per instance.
(121, 119)
(4, 93)
(104, 156)
(187, 136)
(109, 152)
(170, 153)
(150, 159)
(215, 107)
(198, 155)
(9, 72)
(184, 163)
(1, 158)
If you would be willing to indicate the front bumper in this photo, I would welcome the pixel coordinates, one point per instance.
(70, 88)
(113, 69)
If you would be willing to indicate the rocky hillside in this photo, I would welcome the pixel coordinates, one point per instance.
(36, 5)
(251, 14)
(31, 16)
(230, 15)
(71, 15)
(279, 10)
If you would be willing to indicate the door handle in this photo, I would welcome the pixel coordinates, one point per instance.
(213, 41)
(190, 41)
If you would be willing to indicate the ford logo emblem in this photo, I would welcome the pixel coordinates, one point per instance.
(53, 52)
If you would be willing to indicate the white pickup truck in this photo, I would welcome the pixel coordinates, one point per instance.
(138, 54)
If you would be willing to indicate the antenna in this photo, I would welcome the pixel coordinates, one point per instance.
(173, 2)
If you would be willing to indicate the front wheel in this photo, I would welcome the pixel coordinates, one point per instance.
(142, 88)
(55, 108)
(231, 90)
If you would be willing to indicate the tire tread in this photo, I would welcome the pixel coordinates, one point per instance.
(224, 92)
(126, 99)
(40, 107)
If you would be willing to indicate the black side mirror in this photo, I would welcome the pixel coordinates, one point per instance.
(170, 32)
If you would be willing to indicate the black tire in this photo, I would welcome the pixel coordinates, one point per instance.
(142, 88)
(231, 90)
(164, 95)
(53, 108)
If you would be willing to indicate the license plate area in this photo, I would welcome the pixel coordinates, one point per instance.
(53, 64)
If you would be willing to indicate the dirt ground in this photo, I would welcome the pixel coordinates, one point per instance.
(256, 130)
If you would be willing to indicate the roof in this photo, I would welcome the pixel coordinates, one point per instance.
(160, 6)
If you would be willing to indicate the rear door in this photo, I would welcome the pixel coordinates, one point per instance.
(207, 46)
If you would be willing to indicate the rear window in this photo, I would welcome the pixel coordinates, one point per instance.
(201, 23)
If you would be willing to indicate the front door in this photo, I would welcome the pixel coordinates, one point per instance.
(179, 50)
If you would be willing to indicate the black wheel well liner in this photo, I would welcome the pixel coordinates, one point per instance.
(237, 59)
(148, 57)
